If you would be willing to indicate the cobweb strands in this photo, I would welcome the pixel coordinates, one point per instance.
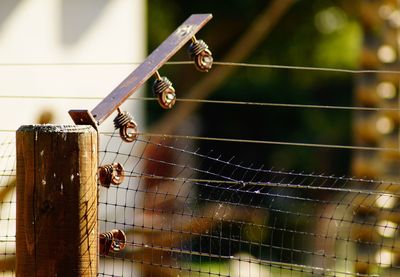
(188, 212)
(191, 212)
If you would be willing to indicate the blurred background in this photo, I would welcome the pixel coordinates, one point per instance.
(352, 35)
(69, 54)
(308, 33)
(69, 49)
(332, 34)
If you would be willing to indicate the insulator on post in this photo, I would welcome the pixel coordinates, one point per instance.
(111, 174)
(164, 91)
(124, 122)
(201, 55)
(112, 242)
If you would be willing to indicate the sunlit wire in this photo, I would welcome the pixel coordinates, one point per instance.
(237, 140)
(207, 101)
(220, 63)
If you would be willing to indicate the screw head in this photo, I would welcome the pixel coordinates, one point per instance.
(167, 98)
(203, 61)
(129, 132)
(112, 242)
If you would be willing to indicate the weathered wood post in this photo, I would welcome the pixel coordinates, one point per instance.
(56, 201)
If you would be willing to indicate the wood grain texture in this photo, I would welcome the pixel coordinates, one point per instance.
(56, 201)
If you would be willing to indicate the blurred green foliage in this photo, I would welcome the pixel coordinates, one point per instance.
(320, 33)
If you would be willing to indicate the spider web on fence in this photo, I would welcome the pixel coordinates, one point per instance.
(193, 213)
(188, 212)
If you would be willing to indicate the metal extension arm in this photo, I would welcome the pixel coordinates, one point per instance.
(142, 73)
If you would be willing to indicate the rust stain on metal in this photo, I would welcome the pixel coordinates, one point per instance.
(111, 174)
(112, 242)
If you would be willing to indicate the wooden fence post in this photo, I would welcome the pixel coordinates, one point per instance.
(56, 201)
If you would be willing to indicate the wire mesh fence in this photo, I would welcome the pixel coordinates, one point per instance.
(190, 212)
(177, 210)
(7, 205)
(194, 213)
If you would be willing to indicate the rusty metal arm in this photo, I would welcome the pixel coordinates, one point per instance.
(142, 73)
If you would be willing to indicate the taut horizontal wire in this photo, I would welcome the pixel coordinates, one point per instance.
(308, 68)
(85, 64)
(259, 184)
(54, 97)
(220, 63)
(285, 105)
(67, 64)
(316, 145)
(206, 101)
(270, 142)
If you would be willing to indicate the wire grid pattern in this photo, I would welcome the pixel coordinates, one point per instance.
(192, 213)
(188, 212)
(7, 205)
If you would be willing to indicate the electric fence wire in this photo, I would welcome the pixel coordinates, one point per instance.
(220, 63)
(198, 206)
(207, 101)
(228, 102)
(199, 212)
(251, 141)
(218, 201)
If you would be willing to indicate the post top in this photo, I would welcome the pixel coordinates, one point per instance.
(53, 128)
